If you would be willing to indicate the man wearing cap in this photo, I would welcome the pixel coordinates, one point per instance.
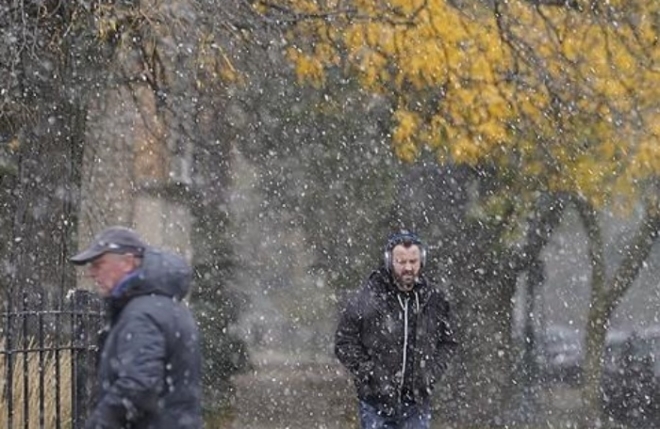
(149, 367)
(394, 336)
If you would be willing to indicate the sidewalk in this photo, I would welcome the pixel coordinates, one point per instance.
(281, 394)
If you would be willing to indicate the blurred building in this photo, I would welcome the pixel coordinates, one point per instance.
(133, 174)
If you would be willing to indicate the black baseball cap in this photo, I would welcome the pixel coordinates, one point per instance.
(115, 239)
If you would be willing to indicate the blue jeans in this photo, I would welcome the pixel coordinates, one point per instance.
(409, 417)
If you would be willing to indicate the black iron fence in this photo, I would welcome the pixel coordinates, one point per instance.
(48, 361)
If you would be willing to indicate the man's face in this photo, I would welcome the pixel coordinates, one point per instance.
(108, 269)
(406, 264)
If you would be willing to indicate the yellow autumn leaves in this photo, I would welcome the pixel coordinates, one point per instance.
(569, 96)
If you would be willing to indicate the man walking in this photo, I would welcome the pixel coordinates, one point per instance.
(149, 367)
(395, 339)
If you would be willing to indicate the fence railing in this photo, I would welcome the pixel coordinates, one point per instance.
(48, 362)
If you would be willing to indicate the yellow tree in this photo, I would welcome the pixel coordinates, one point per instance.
(553, 96)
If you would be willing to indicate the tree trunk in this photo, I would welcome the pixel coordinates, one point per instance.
(593, 368)
(606, 295)
(45, 206)
(483, 281)
(47, 71)
(483, 311)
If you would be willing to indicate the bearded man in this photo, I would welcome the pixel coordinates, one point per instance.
(395, 339)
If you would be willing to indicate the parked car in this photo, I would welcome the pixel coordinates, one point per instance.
(631, 382)
(561, 354)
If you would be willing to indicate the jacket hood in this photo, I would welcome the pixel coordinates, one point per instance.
(165, 273)
(161, 273)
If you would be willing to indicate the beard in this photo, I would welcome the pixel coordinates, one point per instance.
(406, 281)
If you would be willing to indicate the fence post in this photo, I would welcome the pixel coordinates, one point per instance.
(86, 325)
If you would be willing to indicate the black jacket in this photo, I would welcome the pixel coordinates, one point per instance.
(369, 340)
(149, 367)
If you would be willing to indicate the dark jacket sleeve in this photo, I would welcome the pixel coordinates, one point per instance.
(140, 364)
(348, 340)
(445, 337)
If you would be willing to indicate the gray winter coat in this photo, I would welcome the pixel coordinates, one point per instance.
(370, 340)
(149, 367)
